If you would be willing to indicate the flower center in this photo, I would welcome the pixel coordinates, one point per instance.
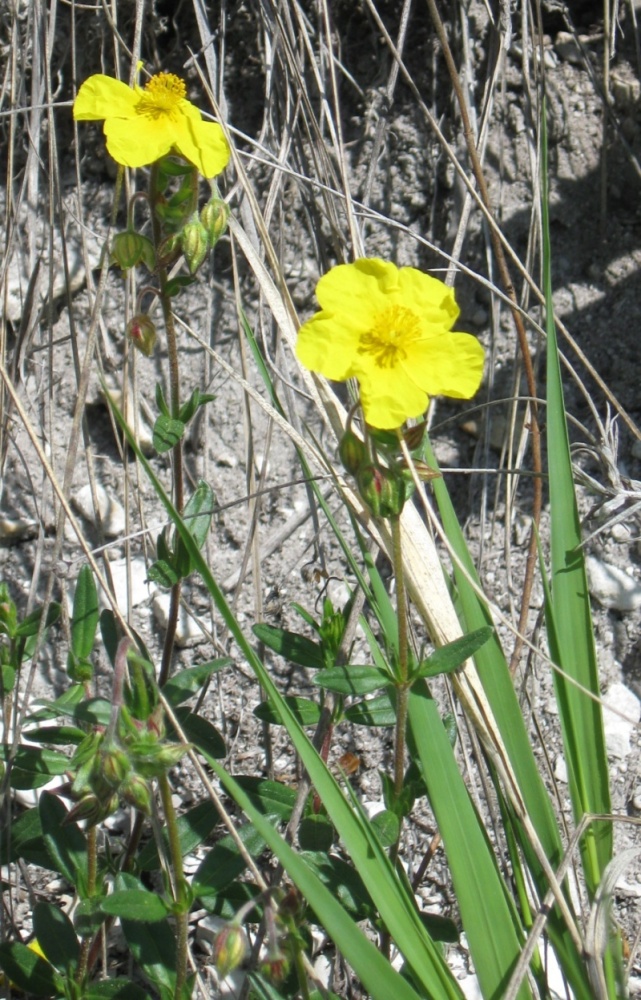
(393, 331)
(162, 95)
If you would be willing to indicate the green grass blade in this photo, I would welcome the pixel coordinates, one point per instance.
(374, 971)
(497, 683)
(480, 891)
(581, 716)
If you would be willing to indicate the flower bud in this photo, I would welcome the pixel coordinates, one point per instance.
(229, 950)
(130, 248)
(135, 792)
(275, 966)
(382, 490)
(352, 452)
(195, 243)
(142, 333)
(214, 217)
(114, 766)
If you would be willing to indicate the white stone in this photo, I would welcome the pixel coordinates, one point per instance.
(140, 591)
(561, 769)
(188, 632)
(112, 513)
(612, 587)
(621, 713)
(470, 988)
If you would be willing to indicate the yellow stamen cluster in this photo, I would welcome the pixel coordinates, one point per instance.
(393, 330)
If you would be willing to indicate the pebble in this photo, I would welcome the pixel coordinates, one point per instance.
(567, 48)
(140, 591)
(612, 587)
(188, 632)
(620, 723)
(112, 513)
(561, 769)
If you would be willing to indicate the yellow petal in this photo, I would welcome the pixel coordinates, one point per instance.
(103, 97)
(428, 297)
(325, 345)
(139, 141)
(204, 145)
(389, 401)
(446, 365)
(355, 291)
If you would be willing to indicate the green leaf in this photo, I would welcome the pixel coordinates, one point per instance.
(480, 891)
(161, 402)
(25, 830)
(200, 732)
(28, 971)
(377, 711)
(85, 616)
(62, 735)
(447, 658)
(135, 904)
(571, 630)
(195, 401)
(65, 843)
(29, 626)
(344, 883)
(33, 767)
(387, 826)
(353, 680)
(306, 712)
(57, 938)
(175, 285)
(315, 833)
(153, 946)
(271, 798)
(223, 865)
(163, 573)
(292, 646)
(167, 433)
(198, 512)
(186, 682)
(88, 917)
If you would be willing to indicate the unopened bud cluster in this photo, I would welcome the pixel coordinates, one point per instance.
(384, 488)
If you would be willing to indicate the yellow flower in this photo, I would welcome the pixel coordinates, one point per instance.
(143, 124)
(389, 327)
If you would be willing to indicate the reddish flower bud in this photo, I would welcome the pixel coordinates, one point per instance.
(382, 490)
(142, 333)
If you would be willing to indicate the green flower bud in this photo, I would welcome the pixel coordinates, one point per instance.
(130, 248)
(135, 792)
(214, 217)
(114, 766)
(194, 240)
(275, 966)
(352, 452)
(142, 333)
(382, 490)
(229, 950)
(168, 250)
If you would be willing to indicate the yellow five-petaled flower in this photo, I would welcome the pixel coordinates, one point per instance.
(142, 124)
(390, 328)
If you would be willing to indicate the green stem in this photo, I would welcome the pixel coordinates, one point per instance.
(92, 874)
(174, 397)
(402, 687)
(178, 887)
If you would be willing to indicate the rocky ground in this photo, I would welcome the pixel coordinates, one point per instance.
(408, 203)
